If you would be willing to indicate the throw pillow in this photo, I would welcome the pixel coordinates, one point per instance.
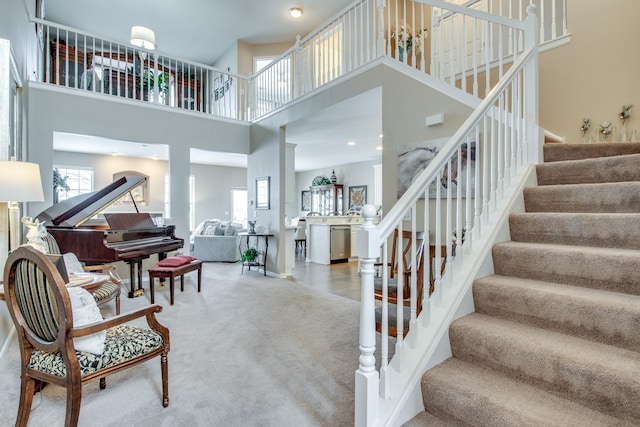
(219, 230)
(71, 262)
(188, 258)
(86, 311)
(209, 230)
(230, 231)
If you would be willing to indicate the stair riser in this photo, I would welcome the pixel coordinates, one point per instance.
(597, 198)
(566, 311)
(609, 169)
(600, 230)
(616, 272)
(560, 152)
(598, 386)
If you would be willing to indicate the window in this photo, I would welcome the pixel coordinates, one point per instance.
(79, 180)
(273, 86)
(239, 205)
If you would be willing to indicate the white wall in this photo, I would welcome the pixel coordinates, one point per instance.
(213, 190)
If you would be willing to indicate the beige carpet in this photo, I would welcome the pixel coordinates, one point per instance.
(555, 339)
(247, 351)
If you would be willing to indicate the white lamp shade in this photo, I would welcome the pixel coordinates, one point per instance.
(143, 37)
(20, 182)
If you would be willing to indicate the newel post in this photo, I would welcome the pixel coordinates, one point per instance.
(367, 378)
(533, 140)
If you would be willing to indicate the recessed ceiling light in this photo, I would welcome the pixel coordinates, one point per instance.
(379, 148)
(296, 12)
(351, 143)
(381, 135)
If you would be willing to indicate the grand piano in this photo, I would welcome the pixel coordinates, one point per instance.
(129, 237)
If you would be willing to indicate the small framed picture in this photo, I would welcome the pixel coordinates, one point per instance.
(263, 199)
(305, 200)
(357, 197)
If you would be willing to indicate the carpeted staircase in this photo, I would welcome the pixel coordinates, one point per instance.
(555, 339)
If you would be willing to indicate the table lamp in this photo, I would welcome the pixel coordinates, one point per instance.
(19, 182)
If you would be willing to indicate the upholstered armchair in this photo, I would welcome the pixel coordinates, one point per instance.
(63, 340)
(108, 291)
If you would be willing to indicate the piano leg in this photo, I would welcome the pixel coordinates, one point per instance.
(135, 290)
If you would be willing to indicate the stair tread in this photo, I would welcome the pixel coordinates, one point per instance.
(571, 151)
(603, 251)
(624, 301)
(608, 317)
(504, 401)
(602, 376)
(623, 168)
(616, 359)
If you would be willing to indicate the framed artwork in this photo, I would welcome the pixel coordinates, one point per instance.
(305, 200)
(137, 195)
(262, 193)
(414, 158)
(357, 197)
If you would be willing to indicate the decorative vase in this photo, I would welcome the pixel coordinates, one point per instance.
(401, 53)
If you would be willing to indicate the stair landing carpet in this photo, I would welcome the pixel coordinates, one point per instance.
(555, 339)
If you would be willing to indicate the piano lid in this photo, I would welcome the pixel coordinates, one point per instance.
(77, 210)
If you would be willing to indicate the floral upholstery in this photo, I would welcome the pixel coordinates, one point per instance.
(123, 343)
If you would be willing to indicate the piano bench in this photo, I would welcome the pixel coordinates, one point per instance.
(171, 273)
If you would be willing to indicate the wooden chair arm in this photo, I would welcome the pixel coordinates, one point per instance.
(119, 319)
(103, 267)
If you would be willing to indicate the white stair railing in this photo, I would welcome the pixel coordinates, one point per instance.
(470, 177)
(79, 60)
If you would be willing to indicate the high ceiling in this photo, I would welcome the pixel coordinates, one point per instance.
(202, 30)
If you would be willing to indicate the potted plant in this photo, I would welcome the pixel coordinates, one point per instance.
(249, 255)
(149, 81)
(59, 184)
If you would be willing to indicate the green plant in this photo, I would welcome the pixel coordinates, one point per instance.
(249, 255)
(59, 184)
(148, 81)
(321, 180)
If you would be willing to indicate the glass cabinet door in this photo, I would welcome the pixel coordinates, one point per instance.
(326, 199)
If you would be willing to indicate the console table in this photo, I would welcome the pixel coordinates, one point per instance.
(257, 263)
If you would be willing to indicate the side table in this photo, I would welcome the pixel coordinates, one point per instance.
(256, 263)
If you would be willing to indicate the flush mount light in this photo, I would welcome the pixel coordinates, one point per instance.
(296, 12)
(351, 143)
(143, 37)
(379, 148)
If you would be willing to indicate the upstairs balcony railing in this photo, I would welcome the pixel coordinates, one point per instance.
(79, 60)
(446, 40)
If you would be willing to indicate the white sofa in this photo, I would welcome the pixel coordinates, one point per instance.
(216, 240)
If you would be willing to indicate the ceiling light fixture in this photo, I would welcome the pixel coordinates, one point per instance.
(143, 37)
(296, 12)
(351, 143)
(379, 148)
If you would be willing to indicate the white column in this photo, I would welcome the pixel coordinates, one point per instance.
(179, 170)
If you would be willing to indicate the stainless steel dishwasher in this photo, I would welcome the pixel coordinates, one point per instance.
(340, 243)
